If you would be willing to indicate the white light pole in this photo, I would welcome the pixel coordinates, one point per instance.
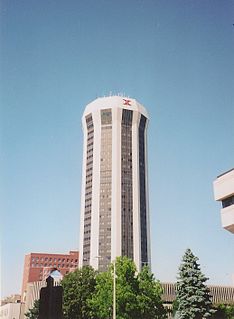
(114, 291)
(97, 257)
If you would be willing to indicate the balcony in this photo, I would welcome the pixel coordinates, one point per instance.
(227, 218)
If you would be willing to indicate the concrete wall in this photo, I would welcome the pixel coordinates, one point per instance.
(10, 311)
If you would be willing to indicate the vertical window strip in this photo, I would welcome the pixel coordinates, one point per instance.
(105, 190)
(88, 190)
(126, 184)
(142, 173)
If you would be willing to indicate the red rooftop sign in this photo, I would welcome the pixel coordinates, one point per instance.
(126, 102)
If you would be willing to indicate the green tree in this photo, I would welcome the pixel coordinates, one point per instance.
(126, 291)
(102, 300)
(78, 286)
(224, 312)
(137, 296)
(193, 296)
(126, 288)
(229, 311)
(33, 313)
(149, 296)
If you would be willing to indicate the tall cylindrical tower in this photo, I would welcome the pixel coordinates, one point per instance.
(114, 201)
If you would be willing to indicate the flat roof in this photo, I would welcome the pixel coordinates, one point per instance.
(232, 169)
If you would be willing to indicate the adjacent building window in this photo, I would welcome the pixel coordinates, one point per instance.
(228, 201)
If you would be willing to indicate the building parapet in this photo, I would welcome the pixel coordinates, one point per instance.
(219, 294)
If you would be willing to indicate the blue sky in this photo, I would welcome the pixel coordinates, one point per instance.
(176, 58)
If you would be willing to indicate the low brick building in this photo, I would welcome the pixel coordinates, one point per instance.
(38, 266)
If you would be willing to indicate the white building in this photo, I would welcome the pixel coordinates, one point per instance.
(224, 192)
(114, 200)
(33, 294)
(11, 311)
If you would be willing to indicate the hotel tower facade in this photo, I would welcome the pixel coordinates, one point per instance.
(114, 200)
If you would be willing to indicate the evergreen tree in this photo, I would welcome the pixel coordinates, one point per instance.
(193, 296)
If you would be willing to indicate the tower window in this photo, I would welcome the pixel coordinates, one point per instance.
(106, 117)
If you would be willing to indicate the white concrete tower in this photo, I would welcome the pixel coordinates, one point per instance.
(114, 200)
(224, 192)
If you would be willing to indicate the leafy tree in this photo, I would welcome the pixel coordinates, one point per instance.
(126, 290)
(33, 313)
(229, 311)
(220, 312)
(78, 287)
(224, 312)
(102, 300)
(150, 296)
(194, 300)
(137, 296)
